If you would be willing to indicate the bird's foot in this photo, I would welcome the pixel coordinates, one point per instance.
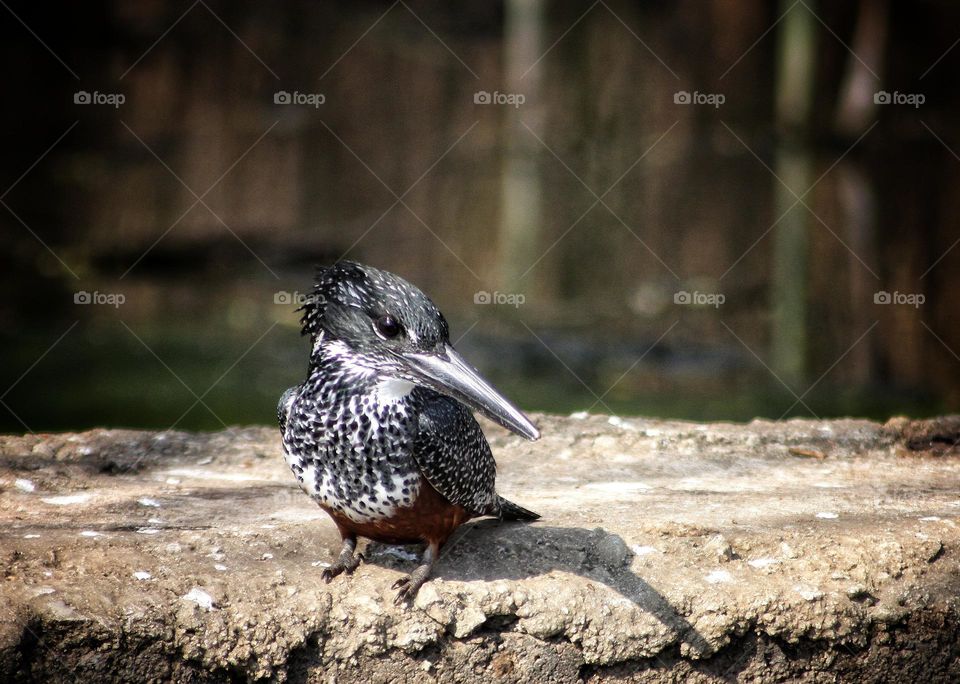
(410, 584)
(347, 562)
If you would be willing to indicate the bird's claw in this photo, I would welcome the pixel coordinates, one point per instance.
(347, 565)
(402, 595)
(407, 589)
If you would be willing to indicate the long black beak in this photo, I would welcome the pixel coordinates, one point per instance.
(448, 373)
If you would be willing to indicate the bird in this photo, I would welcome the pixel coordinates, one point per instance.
(381, 433)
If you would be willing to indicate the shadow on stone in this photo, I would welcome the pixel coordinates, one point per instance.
(490, 550)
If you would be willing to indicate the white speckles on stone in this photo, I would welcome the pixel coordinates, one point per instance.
(266, 556)
(760, 563)
(66, 499)
(719, 577)
(24, 485)
(142, 575)
(90, 533)
(200, 597)
(639, 550)
(827, 515)
(268, 526)
(219, 567)
(199, 474)
(830, 485)
(31, 536)
(579, 415)
(147, 530)
(320, 564)
(148, 502)
(172, 481)
(787, 551)
(930, 518)
(85, 451)
(808, 593)
(619, 422)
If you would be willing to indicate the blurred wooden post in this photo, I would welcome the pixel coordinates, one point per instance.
(521, 213)
(796, 49)
(857, 198)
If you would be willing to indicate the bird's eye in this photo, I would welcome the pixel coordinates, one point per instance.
(387, 326)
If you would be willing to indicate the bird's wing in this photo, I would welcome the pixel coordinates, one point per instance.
(283, 408)
(453, 454)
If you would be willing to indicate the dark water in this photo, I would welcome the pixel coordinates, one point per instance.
(229, 366)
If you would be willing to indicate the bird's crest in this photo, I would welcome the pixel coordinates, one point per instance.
(325, 284)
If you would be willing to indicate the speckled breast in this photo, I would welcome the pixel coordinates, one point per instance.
(354, 454)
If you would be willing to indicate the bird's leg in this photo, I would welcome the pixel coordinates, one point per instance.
(410, 585)
(347, 561)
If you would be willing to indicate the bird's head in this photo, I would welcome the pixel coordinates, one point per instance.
(391, 327)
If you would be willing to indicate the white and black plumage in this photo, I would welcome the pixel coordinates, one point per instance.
(377, 433)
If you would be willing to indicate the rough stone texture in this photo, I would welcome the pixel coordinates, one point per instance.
(797, 551)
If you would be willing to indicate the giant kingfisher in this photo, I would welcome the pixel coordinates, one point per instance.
(380, 434)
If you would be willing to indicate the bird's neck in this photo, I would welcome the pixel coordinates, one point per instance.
(334, 360)
(333, 363)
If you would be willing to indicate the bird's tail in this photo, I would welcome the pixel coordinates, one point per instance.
(511, 511)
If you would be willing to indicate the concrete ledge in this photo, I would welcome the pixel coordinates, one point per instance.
(802, 551)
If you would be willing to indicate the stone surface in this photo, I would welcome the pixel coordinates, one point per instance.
(800, 551)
